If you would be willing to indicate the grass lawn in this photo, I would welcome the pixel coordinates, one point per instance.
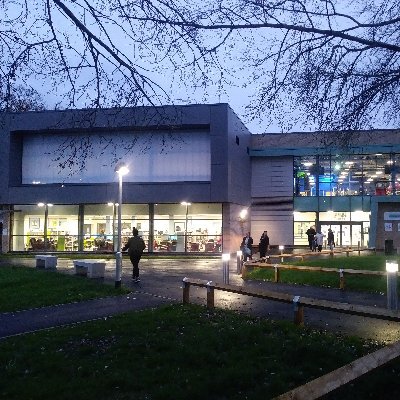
(179, 352)
(23, 287)
(372, 284)
(176, 352)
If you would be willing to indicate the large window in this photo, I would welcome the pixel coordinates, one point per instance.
(347, 175)
(45, 227)
(188, 227)
(184, 227)
(152, 156)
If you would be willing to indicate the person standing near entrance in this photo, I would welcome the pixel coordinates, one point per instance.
(135, 247)
(319, 240)
(310, 232)
(331, 239)
(264, 244)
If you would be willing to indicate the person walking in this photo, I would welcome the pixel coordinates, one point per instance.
(331, 239)
(135, 247)
(264, 244)
(246, 247)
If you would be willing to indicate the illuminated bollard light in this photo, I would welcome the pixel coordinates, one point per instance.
(281, 248)
(392, 268)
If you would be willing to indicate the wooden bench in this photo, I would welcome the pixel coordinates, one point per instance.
(46, 261)
(90, 268)
(299, 303)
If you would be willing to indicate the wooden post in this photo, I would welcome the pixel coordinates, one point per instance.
(341, 279)
(210, 295)
(244, 270)
(347, 252)
(331, 254)
(359, 252)
(298, 311)
(277, 273)
(186, 290)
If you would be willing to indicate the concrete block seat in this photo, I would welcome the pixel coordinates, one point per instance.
(90, 268)
(46, 261)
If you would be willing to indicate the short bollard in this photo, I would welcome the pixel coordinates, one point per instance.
(391, 269)
(210, 295)
(298, 311)
(277, 273)
(281, 248)
(186, 290)
(225, 267)
(341, 279)
(239, 262)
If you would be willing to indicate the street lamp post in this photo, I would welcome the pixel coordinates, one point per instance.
(225, 267)
(121, 169)
(239, 254)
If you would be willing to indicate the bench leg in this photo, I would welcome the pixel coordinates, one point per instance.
(277, 273)
(210, 297)
(298, 310)
(186, 291)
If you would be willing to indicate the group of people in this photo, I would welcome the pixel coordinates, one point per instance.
(316, 239)
(136, 245)
(247, 246)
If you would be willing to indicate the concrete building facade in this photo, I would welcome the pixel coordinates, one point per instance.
(193, 171)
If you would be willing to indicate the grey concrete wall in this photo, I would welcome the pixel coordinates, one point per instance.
(213, 117)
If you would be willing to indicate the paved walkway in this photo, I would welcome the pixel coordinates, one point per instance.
(161, 283)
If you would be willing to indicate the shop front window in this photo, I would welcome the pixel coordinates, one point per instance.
(186, 227)
(100, 227)
(302, 221)
(192, 227)
(45, 227)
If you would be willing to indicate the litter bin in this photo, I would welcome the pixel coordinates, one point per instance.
(389, 246)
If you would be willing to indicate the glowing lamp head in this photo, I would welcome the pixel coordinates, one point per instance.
(392, 266)
(226, 257)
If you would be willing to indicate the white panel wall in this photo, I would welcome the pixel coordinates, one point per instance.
(278, 223)
(151, 157)
(272, 176)
(272, 199)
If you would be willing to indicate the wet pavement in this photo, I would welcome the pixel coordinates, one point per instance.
(161, 283)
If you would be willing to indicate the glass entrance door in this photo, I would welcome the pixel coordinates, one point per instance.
(356, 235)
(345, 234)
(336, 229)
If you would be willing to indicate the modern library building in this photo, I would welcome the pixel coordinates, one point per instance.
(197, 181)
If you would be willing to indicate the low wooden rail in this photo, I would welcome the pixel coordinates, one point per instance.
(340, 271)
(299, 303)
(341, 376)
(331, 253)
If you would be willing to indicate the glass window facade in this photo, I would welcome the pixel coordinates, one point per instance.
(347, 175)
(184, 227)
(154, 156)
